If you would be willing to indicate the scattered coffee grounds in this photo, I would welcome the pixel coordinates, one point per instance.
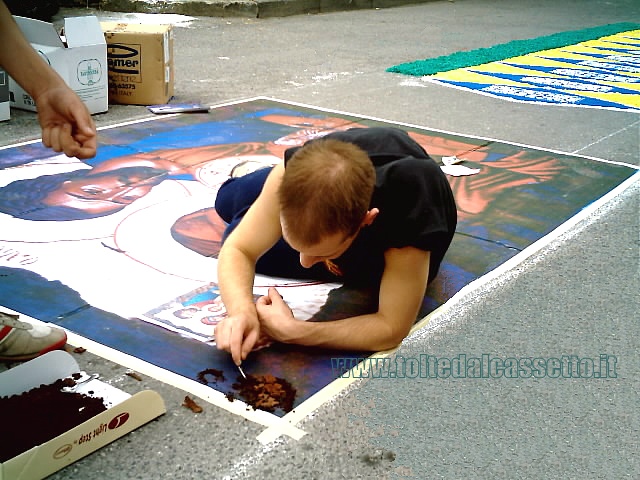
(69, 349)
(134, 375)
(265, 392)
(41, 414)
(191, 405)
(210, 375)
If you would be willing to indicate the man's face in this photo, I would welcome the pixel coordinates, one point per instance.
(329, 248)
(106, 192)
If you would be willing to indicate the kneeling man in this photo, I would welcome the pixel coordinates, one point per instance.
(357, 206)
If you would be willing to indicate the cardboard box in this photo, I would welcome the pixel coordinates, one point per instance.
(140, 59)
(81, 61)
(4, 96)
(124, 413)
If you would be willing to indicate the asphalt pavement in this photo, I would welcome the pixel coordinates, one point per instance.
(578, 294)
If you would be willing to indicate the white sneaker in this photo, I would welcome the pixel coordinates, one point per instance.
(20, 341)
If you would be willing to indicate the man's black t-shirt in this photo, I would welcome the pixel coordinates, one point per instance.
(413, 196)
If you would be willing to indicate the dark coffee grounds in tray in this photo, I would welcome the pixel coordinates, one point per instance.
(265, 392)
(41, 414)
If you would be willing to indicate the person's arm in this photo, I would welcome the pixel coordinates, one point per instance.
(258, 231)
(401, 293)
(66, 123)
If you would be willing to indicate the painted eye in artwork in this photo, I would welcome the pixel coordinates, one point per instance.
(93, 191)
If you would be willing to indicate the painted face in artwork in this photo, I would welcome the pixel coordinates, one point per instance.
(107, 191)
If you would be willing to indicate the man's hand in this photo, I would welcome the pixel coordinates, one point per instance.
(401, 293)
(236, 268)
(276, 318)
(66, 123)
(237, 335)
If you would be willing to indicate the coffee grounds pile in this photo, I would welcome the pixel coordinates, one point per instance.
(41, 414)
(265, 392)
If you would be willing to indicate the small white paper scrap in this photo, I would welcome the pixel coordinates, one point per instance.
(451, 160)
(459, 170)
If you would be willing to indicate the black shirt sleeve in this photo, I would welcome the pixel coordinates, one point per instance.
(417, 208)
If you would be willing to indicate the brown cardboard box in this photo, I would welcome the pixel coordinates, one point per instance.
(140, 60)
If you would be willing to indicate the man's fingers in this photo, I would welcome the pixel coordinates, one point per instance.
(222, 339)
(274, 295)
(46, 137)
(235, 343)
(60, 138)
(68, 143)
(264, 300)
(82, 150)
(86, 145)
(86, 127)
(237, 338)
(248, 343)
(54, 138)
(81, 118)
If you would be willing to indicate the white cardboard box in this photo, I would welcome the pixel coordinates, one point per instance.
(4, 95)
(124, 414)
(81, 61)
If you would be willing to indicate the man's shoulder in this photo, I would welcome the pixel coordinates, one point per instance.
(408, 169)
(370, 133)
(383, 144)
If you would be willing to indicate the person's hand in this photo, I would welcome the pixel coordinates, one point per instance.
(237, 334)
(66, 123)
(276, 318)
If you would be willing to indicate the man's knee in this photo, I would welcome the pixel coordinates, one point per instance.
(238, 194)
(224, 201)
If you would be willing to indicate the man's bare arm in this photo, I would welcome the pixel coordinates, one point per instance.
(258, 231)
(18, 57)
(401, 293)
(66, 123)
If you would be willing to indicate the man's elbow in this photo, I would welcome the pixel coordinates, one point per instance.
(392, 339)
(231, 250)
(387, 345)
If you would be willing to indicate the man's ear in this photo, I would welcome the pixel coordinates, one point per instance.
(369, 217)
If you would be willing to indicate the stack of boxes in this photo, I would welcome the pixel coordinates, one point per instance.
(103, 63)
